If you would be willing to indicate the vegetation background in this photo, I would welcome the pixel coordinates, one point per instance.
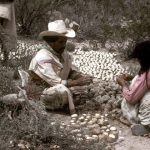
(99, 19)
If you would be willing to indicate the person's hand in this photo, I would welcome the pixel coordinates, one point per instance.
(78, 90)
(127, 77)
(121, 81)
(85, 80)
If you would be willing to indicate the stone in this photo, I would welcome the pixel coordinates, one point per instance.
(106, 122)
(75, 131)
(79, 134)
(83, 124)
(97, 116)
(100, 122)
(113, 128)
(139, 129)
(74, 116)
(96, 130)
(94, 120)
(89, 138)
(111, 138)
(81, 119)
(88, 117)
(95, 137)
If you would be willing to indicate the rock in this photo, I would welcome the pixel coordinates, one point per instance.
(86, 120)
(95, 137)
(90, 122)
(81, 119)
(88, 138)
(79, 135)
(105, 98)
(88, 117)
(75, 131)
(72, 121)
(100, 122)
(74, 116)
(113, 128)
(75, 126)
(104, 128)
(83, 124)
(96, 131)
(139, 129)
(108, 107)
(79, 139)
(97, 116)
(107, 130)
(105, 122)
(111, 138)
(94, 120)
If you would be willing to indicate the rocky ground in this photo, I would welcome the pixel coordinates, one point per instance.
(97, 125)
(129, 142)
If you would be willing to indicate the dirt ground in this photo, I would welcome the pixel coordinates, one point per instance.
(126, 140)
(129, 142)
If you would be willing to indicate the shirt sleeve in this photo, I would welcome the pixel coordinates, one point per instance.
(46, 72)
(135, 92)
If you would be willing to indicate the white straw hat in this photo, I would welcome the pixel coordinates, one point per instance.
(58, 28)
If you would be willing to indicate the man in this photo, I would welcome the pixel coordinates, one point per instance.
(7, 27)
(53, 65)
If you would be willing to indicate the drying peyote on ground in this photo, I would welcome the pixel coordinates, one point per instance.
(100, 64)
(91, 128)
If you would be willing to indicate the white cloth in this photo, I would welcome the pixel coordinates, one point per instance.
(144, 110)
(57, 96)
(7, 12)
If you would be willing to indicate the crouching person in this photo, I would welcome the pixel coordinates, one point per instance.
(136, 103)
(53, 65)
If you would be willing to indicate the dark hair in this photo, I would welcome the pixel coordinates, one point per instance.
(142, 53)
(50, 39)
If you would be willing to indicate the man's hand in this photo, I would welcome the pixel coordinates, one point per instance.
(85, 80)
(78, 90)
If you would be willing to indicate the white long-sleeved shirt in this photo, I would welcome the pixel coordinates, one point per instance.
(46, 64)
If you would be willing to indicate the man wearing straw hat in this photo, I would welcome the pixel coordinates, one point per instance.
(7, 27)
(53, 65)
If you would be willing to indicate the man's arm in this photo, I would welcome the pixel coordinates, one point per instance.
(44, 70)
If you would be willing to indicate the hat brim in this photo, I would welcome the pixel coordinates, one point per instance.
(70, 33)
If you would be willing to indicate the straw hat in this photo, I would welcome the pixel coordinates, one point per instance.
(58, 28)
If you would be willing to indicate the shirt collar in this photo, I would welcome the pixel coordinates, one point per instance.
(53, 52)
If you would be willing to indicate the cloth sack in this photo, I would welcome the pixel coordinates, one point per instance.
(56, 97)
(144, 110)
